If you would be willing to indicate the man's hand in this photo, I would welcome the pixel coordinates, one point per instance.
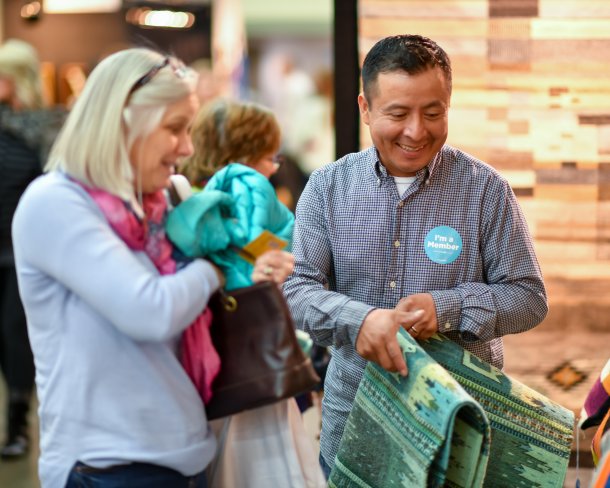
(377, 337)
(427, 325)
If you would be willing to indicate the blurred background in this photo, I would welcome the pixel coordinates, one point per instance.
(530, 97)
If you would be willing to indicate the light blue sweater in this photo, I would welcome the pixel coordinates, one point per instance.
(103, 325)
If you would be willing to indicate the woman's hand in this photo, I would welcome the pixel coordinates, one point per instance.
(273, 266)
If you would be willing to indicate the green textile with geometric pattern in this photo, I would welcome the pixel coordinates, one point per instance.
(531, 436)
(420, 431)
(387, 443)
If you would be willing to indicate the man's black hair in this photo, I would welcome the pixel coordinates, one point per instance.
(410, 53)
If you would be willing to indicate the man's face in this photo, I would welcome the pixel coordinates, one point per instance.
(407, 118)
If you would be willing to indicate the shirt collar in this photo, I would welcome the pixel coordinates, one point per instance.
(423, 174)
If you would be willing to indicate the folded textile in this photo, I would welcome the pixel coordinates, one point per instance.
(400, 429)
(233, 209)
(256, 203)
(531, 435)
(601, 475)
(204, 224)
(305, 341)
(597, 445)
(420, 431)
(596, 412)
(597, 402)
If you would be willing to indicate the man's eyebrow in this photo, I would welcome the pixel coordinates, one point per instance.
(399, 106)
(395, 106)
(434, 104)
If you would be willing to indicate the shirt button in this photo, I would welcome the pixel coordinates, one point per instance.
(447, 326)
(396, 243)
(401, 204)
(392, 284)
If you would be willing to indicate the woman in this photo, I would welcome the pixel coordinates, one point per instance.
(238, 142)
(25, 129)
(105, 301)
(232, 132)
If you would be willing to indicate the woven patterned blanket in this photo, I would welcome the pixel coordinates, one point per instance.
(388, 442)
(419, 431)
(531, 435)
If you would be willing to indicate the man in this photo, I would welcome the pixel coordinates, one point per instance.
(409, 218)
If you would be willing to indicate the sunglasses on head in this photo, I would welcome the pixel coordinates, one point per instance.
(179, 71)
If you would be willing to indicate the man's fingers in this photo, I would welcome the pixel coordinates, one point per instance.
(384, 360)
(403, 304)
(396, 357)
(408, 319)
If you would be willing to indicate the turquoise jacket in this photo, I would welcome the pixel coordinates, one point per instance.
(235, 206)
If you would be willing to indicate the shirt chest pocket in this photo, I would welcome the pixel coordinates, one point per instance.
(360, 240)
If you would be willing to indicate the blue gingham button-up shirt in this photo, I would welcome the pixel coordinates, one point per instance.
(359, 245)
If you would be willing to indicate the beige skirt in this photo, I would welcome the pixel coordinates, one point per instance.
(264, 448)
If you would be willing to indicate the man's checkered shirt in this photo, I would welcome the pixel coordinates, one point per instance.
(358, 245)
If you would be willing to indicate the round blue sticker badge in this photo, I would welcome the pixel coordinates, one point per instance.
(443, 244)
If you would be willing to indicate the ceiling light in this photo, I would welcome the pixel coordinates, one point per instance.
(168, 19)
(30, 10)
(81, 6)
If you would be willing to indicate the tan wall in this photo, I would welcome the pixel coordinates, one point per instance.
(531, 96)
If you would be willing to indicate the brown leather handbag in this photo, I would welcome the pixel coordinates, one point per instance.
(261, 360)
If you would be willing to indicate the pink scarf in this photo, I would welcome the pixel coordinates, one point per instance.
(199, 357)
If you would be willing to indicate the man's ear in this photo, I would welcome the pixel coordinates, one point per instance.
(363, 105)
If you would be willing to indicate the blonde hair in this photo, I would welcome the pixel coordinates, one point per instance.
(111, 113)
(227, 131)
(19, 62)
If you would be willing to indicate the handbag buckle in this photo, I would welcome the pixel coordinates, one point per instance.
(229, 303)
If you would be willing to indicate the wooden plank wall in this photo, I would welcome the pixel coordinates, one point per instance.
(531, 97)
